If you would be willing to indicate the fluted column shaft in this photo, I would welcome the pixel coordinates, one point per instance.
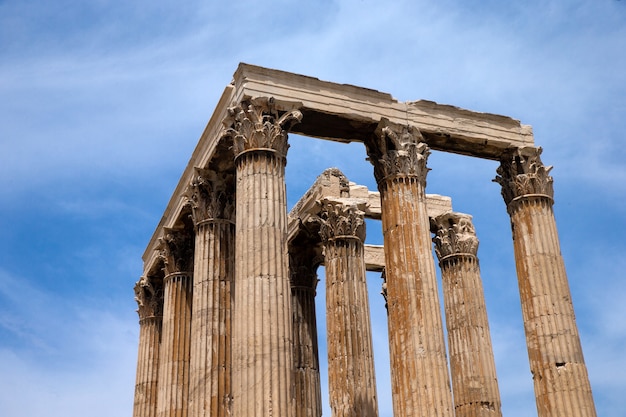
(262, 320)
(175, 341)
(173, 386)
(560, 376)
(211, 198)
(150, 300)
(308, 393)
(351, 375)
(472, 365)
(419, 369)
(210, 371)
(262, 362)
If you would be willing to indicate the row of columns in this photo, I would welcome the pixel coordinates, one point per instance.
(202, 372)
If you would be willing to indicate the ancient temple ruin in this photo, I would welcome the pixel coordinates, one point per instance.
(226, 300)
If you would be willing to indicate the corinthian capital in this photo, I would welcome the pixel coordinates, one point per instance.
(211, 195)
(303, 263)
(454, 235)
(522, 173)
(256, 124)
(398, 150)
(176, 249)
(149, 297)
(339, 219)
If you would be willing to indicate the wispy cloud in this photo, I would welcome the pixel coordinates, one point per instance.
(102, 104)
(70, 356)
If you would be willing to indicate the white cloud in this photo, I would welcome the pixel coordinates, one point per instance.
(112, 97)
(61, 358)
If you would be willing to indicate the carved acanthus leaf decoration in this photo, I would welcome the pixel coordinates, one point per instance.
(176, 248)
(211, 196)
(149, 298)
(256, 124)
(454, 235)
(340, 220)
(522, 173)
(398, 150)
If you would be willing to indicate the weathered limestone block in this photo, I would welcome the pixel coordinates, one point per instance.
(262, 371)
(560, 377)
(149, 297)
(419, 369)
(303, 262)
(173, 386)
(211, 196)
(348, 113)
(351, 376)
(472, 365)
(374, 258)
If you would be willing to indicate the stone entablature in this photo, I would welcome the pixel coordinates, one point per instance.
(348, 113)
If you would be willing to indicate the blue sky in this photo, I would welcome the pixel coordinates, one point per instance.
(102, 103)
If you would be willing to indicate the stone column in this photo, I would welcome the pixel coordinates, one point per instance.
(351, 378)
(419, 369)
(262, 320)
(149, 297)
(560, 377)
(308, 391)
(173, 387)
(212, 197)
(472, 366)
